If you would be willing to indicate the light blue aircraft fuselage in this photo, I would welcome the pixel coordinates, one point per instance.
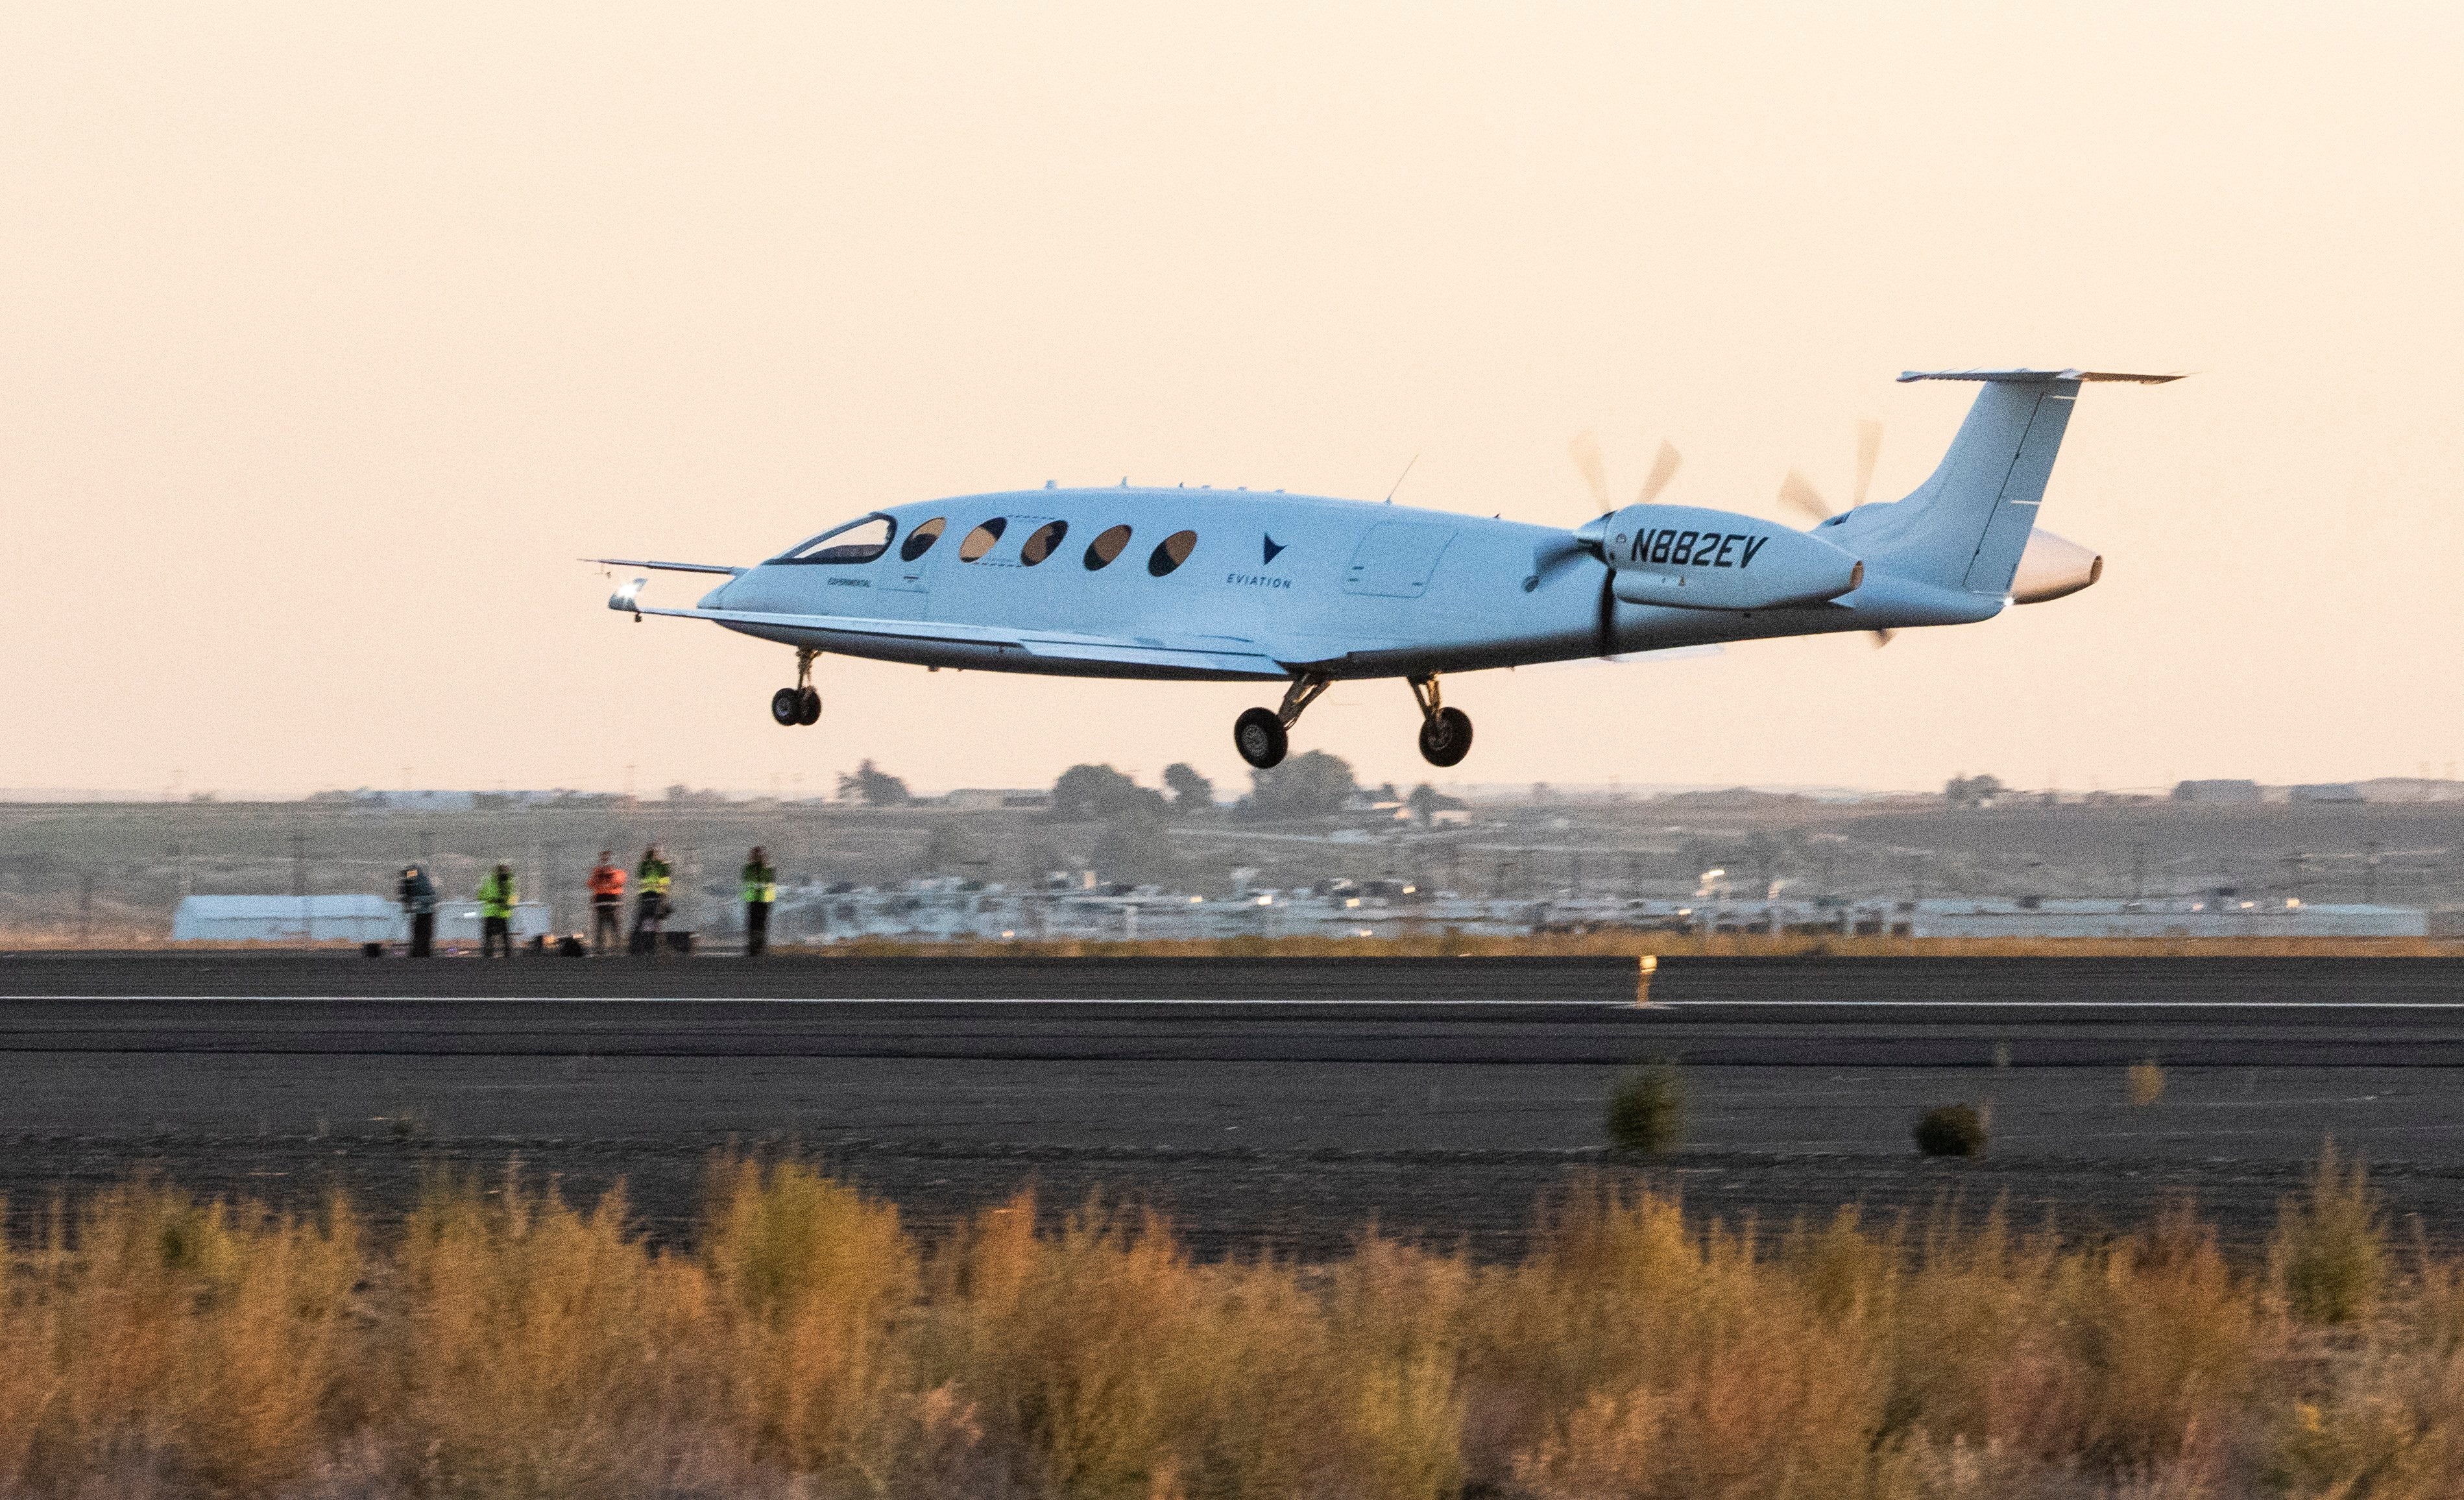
(1240, 584)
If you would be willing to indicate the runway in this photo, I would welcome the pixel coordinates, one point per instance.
(1718, 1012)
(2121, 982)
(1267, 1104)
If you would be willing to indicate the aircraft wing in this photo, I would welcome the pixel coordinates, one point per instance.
(1229, 654)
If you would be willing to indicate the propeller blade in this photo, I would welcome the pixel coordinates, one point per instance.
(1663, 468)
(1798, 491)
(1586, 451)
(1869, 447)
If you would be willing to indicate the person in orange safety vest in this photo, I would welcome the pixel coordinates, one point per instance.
(606, 902)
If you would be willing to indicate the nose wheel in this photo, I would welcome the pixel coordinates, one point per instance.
(800, 704)
(1445, 732)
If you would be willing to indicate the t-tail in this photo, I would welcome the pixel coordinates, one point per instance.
(1968, 527)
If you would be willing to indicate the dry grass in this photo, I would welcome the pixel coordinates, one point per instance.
(508, 1343)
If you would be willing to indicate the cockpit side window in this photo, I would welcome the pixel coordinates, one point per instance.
(856, 541)
(921, 541)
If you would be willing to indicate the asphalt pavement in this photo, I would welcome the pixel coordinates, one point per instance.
(1266, 1103)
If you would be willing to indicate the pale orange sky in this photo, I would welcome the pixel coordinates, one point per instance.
(330, 335)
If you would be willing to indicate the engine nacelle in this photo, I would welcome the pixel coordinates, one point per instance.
(1696, 559)
(2052, 567)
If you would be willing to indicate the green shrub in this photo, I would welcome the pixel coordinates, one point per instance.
(1951, 1130)
(2328, 1255)
(1647, 1112)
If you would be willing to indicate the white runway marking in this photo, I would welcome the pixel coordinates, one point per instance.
(849, 999)
(2070, 1005)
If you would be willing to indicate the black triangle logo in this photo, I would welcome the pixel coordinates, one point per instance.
(1272, 547)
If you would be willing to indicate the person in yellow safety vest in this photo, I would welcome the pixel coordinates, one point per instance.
(650, 881)
(761, 889)
(497, 899)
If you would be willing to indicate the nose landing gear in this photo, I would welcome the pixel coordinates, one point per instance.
(1261, 734)
(1445, 732)
(800, 704)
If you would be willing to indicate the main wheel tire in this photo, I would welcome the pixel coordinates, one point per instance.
(1260, 738)
(1445, 737)
(787, 707)
(809, 706)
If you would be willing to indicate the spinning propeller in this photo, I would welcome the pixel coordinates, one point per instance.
(1801, 568)
(1586, 451)
(1591, 538)
(1797, 491)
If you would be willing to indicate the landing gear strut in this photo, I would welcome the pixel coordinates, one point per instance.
(1445, 732)
(1261, 735)
(800, 704)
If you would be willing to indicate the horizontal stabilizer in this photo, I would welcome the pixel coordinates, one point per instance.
(2020, 376)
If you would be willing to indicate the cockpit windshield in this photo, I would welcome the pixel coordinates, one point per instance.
(856, 541)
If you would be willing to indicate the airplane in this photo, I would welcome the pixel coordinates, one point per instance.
(1213, 585)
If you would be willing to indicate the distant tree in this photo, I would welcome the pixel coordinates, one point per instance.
(1972, 792)
(1426, 801)
(1388, 793)
(873, 787)
(1088, 793)
(1135, 846)
(1310, 784)
(953, 849)
(1191, 792)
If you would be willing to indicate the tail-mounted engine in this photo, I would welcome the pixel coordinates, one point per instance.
(1695, 558)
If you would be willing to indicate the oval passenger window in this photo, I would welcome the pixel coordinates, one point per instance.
(980, 540)
(1171, 552)
(1105, 549)
(921, 541)
(1039, 546)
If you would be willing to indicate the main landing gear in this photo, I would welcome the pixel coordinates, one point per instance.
(1445, 732)
(800, 704)
(1263, 734)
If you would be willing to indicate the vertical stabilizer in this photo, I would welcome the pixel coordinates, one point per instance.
(1966, 526)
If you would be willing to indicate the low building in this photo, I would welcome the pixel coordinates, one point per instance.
(2234, 792)
(286, 920)
(2411, 789)
(993, 799)
(2323, 791)
(2211, 916)
(291, 919)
